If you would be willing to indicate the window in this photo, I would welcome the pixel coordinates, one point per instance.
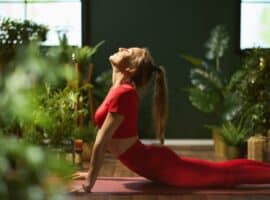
(59, 15)
(255, 20)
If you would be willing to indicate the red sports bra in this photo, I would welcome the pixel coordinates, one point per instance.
(123, 100)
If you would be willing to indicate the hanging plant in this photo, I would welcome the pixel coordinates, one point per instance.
(17, 33)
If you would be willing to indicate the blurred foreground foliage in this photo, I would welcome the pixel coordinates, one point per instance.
(29, 172)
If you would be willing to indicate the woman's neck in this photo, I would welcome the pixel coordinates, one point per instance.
(119, 78)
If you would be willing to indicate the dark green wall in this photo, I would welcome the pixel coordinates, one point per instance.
(167, 28)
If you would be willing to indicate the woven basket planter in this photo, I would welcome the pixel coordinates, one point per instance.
(257, 147)
(219, 144)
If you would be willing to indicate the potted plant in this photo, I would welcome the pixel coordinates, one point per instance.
(58, 114)
(82, 58)
(253, 90)
(211, 90)
(234, 136)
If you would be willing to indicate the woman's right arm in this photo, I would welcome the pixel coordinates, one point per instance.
(111, 123)
(118, 107)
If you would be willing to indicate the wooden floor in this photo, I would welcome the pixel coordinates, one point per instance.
(113, 168)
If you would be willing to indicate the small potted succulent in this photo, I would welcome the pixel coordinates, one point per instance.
(234, 136)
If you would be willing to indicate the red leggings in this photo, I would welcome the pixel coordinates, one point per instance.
(161, 164)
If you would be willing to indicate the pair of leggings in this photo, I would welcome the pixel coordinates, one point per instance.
(161, 164)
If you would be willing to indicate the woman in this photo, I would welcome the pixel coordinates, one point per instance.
(133, 68)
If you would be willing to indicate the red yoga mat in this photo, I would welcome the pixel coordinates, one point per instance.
(140, 185)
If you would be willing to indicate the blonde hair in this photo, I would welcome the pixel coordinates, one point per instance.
(145, 69)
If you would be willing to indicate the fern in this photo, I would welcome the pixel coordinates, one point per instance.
(234, 135)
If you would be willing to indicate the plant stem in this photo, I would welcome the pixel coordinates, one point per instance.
(217, 64)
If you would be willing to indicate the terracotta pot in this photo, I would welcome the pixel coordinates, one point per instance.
(219, 144)
(233, 152)
(87, 150)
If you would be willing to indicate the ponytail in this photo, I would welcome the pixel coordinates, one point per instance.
(142, 76)
(160, 103)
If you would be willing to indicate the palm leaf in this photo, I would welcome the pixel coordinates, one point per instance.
(197, 62)
(209, 79)
(236, 78)
(205, 101)
(95, 48)
(231, 107)
(84, 55)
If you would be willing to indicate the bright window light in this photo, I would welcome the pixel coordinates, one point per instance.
(59, 15)
(255, 20)
(12, 10)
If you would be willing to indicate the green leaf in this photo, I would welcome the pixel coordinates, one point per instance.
(212, 127)
(236, 78)
(217, 43)
(234, 135)
(209, 80)
(95, 48)
(197, 62)
(231, 107)
(203, 100)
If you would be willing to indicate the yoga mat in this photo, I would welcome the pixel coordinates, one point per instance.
(140, 185)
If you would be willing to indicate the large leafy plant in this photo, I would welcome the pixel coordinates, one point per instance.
(56, 119)
(27, 171)
(210, 90)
